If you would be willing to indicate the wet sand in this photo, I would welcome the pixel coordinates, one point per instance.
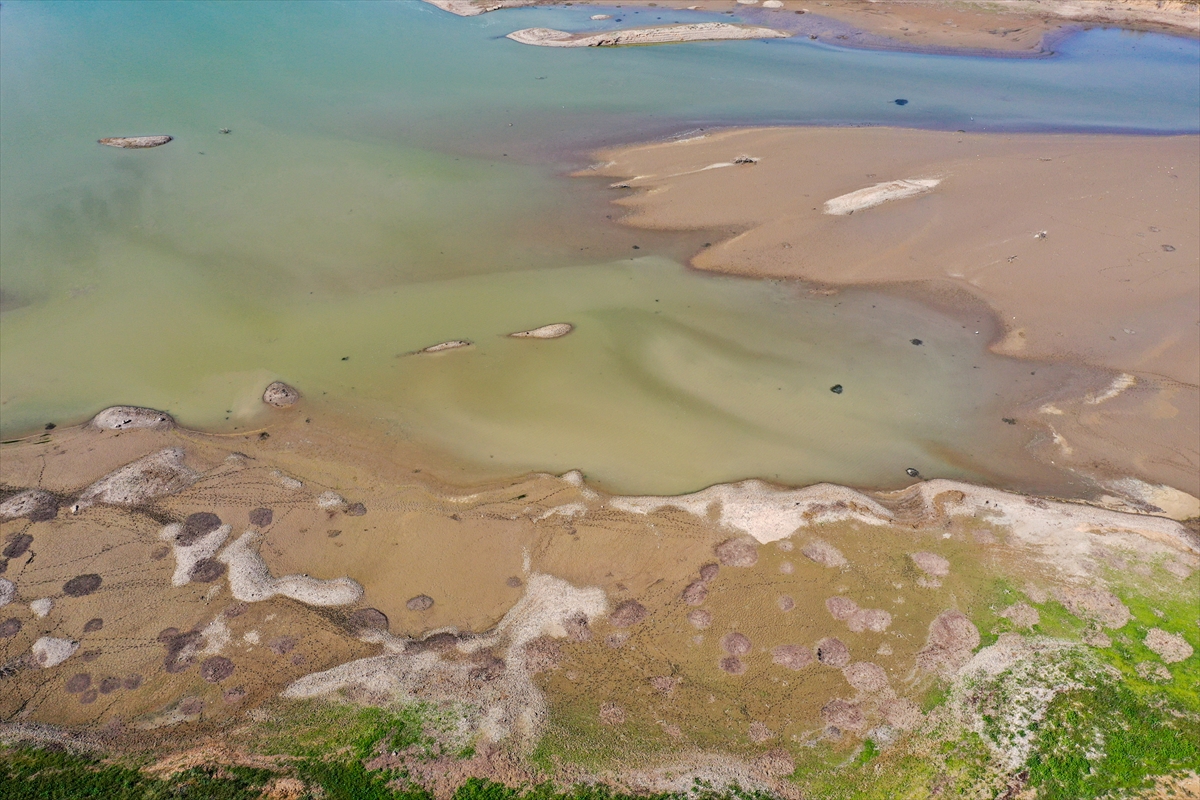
(1084, 246)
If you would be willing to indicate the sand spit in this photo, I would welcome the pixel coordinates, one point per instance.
(251, 582)
(879, 194)
(123, 418)
(657, 34)
(150, 477)
(551, 331)
(135, 142)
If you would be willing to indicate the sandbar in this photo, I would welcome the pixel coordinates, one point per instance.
(1085, 247)
(657, 34)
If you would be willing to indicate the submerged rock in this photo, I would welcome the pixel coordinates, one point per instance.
(135, 142)
(280, 395)
(120, 418)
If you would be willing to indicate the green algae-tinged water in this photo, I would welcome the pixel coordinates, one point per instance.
(393, 179)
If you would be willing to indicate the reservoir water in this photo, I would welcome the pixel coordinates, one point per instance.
(395, 176)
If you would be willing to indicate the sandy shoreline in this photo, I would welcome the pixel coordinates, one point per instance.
(660, 34)
(1084, 246)
(1016, 27)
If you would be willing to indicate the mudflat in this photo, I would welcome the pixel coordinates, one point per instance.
(1084, 246)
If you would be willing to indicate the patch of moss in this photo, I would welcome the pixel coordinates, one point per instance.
(1107, 738)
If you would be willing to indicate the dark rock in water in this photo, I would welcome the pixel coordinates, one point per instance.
(261, 517)
(135, 142)
(421, 602)
(280, 395)
(10, 628)
(207, 570)
(366, 619)
(36, 505)
(355, 510)
(195, 526)
(912, 473)
(631, 612)
(900, 101)
(917, 342)
(216, 669)
(120, 418)
(82, 585)
(93, 625)
(50, 426)
(17, 545)
(836, 388)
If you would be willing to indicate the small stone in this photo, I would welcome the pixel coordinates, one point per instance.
(1170, 647)
(367, 619)
(280, 395)
(628, 613)
(18, 543)
(736, 644)
(836, 388)
(931, 564)
(82, 585)
(612, 714)
(355, 510)
(733, 665)
(695, 594)
(93, 625)
(421, 602)
(78, 682)
(792, 656)
(196, 526)
(216, 669)
(261, 517)
(866, 677)
(833, 652)
(207, 570)
(738, 552)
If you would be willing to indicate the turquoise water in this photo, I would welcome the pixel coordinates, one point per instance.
(394, 177)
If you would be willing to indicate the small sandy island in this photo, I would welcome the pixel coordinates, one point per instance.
(657, 34)
(551, 331)
(135, 142)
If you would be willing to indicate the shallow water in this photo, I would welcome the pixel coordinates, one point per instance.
(393, 179)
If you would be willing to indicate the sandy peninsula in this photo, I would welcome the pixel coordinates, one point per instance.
(1086, 247)
(656, 34)
(1016, 27)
